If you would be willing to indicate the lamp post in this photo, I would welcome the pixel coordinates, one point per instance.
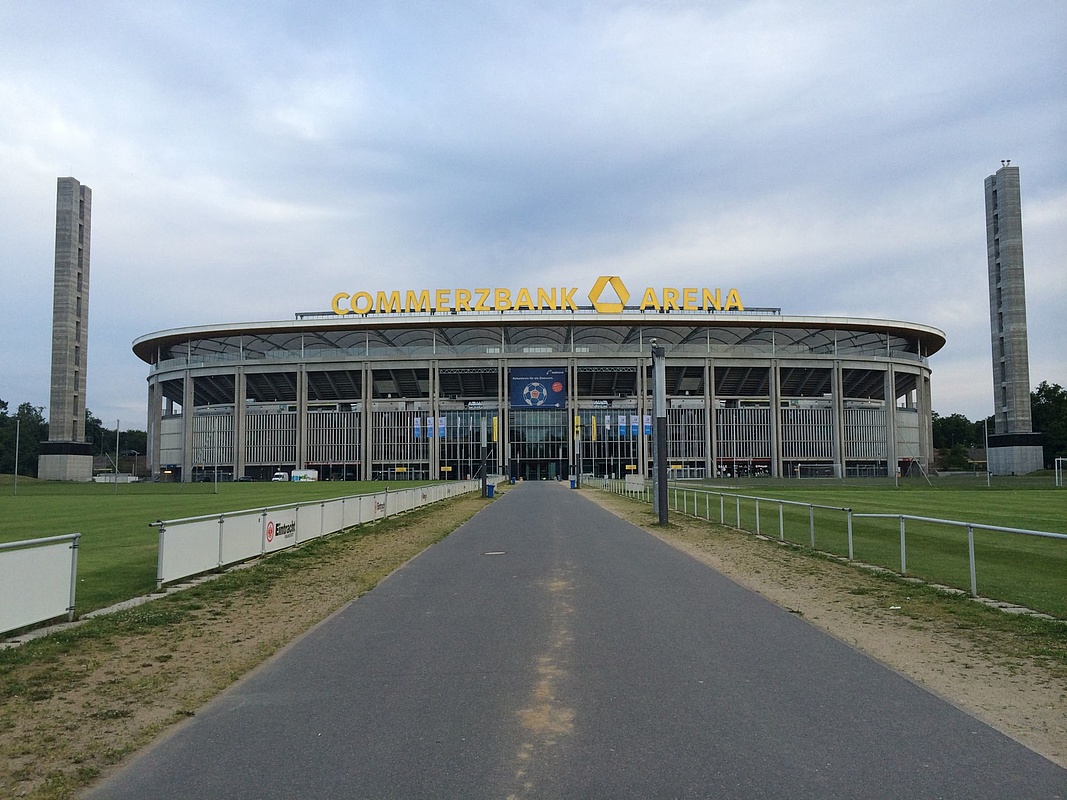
(18, 430)
(985, 431)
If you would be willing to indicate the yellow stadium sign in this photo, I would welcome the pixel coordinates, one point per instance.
(561, 298)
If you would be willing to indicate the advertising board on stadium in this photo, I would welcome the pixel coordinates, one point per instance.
(609, 295)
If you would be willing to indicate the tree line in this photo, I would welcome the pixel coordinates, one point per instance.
(955, 435)
(28, 425)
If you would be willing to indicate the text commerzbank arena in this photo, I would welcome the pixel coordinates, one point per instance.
(396, 383)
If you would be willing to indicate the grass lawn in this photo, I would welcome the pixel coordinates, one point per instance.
(1027, 570)
(118, 547)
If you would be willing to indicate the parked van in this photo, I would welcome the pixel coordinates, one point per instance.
(280, 476)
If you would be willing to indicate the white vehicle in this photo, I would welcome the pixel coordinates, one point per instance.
(305, 475)
(280, 476)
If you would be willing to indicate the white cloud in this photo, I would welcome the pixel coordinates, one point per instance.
(823, 157)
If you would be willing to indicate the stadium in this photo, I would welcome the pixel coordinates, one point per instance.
(413, 384)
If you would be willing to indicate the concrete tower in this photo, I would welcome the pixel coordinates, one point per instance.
(1014, 449)
(66, 455)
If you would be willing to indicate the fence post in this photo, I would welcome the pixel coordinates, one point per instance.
(849, 511)
(781, 522)
(722, 509)
(738, 499)
(970, 552)
(222, 526)
(811, 524)
(757, 516)
(73, 575)
(159, 553)
(903, 550)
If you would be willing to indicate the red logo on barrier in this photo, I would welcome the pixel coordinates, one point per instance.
(270, 531)
(557, 387)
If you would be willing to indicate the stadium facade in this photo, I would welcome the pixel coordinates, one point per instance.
(398, 385)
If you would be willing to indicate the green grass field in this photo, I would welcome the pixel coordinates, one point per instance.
(117, 557)
(118, 547)
(1021, 569)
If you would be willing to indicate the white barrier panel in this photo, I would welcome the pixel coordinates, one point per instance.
(196, 550)
(279, 530)
(308, 522)
(402, 501)
(37, 579)
(242, 537)
(192, 546)
(370, 507)
(333, 516)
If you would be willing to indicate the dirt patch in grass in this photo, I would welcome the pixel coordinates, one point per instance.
(1009, 672)
(74, 704)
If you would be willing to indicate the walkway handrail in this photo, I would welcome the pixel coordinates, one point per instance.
(976, 525)
(683, 507)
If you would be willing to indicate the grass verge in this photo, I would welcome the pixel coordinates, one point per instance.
(118, 551)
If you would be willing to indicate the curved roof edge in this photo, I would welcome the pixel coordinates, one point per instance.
(143, 346)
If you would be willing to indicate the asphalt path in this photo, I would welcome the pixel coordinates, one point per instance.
(547, 649)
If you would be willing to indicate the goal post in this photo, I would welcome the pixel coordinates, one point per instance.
(1061, 468)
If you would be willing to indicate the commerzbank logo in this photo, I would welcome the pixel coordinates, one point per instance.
(596, 294)
(609, 295)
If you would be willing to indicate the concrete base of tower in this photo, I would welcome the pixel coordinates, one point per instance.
(1015, 454)
(65, 461)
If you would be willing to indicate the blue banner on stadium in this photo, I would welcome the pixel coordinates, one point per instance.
(538, 387)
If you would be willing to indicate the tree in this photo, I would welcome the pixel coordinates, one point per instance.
(29, 428)
(954, 430)
(1048, 409)
(95, 433)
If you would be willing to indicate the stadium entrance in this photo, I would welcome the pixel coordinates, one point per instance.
(539, 443)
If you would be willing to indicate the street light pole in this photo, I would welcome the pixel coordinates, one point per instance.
(985, 430)
(18, 430)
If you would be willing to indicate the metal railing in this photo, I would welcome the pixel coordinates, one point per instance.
(970, 526)
(748, 512)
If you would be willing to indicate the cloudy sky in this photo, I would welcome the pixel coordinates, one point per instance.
(249, 161)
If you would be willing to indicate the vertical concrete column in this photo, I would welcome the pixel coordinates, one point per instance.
(435, 404)
(891, 420)
(926, 419)
(775, 390)
(187, 425)
(837, 416)
(644, 449)
(301, 417)
(155, 426)
(572, 412)
(240, 423)
(711, 432)
(70, 312)
(503, 394)
(366, 434)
